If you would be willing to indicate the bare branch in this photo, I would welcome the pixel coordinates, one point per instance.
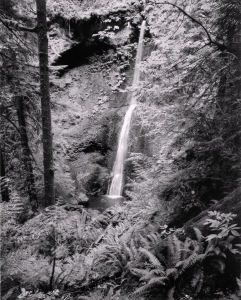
(20, 133)
(14, 34)
(14, 24)
(220, 46)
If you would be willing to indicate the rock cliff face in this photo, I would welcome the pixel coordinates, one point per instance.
(93, 62)
(92, 58)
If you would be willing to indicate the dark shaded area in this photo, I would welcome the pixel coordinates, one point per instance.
(82, 32)
(96, 183)
(95, 146)
(84, 29)
(80, 53)
(7, 6)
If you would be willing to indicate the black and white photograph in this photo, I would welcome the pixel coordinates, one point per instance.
(120, 148)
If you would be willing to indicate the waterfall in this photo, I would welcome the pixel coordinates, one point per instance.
(118, 169)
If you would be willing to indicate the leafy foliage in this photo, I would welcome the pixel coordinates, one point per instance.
(184, 153)
(73, 9)
(223, 233)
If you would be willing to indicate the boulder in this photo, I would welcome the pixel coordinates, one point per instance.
(82, 199)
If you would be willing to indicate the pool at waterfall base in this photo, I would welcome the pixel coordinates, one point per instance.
(101, 203)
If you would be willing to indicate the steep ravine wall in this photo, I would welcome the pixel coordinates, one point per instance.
(89, 102)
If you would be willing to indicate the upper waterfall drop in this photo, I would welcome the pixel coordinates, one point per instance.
(118, 169)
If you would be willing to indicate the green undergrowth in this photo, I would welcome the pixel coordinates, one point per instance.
(71, 251)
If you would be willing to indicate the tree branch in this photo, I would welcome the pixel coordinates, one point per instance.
(14, 34)
(20, 133)
(17, 26)
(220, 46)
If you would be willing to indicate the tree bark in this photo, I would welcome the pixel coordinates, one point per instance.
(45, 103)
(26, 153)
(4, 189)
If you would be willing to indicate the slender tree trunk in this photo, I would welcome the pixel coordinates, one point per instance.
(26, 153)
(4, 188)
(45, 103)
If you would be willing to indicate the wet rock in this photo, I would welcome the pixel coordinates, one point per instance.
(83, 199)
(72, 201)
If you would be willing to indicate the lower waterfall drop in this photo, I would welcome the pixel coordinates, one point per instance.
(118, 169)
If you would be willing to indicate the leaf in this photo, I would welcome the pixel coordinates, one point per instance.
(157, 280)
(217, 250)
(222, 255)
(234, 225)
(234, 232)
(211, 237)
(198, 233)
(238, 282)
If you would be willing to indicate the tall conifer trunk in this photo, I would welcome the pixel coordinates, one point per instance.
(26, 153)
(4, 189)
(45, 103)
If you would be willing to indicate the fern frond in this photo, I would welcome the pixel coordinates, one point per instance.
(170, 293)
(154, 238)
(152, 283)
(15, 206)
(174, 249)
(143, 241)
(157, 281)
(198, 234)
(142, 289)
(130, 253)
(192, 260)
(161, 258)
(151, 257)
(197, 279)
(140, 272)
(186, 248)
(172, 273)
(153, 274)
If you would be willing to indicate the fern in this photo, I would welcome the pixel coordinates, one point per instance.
(174, 250)
(172, 273)
(170, 293)
(140, 272)
(198, 234)
(191, 261)
(180, 258)
(197, 280)
(157, 281)
(15, 207)
(186, 248)
(155, 262)
(154, 282)
(143, 241)
(154, 238)
(153, 274)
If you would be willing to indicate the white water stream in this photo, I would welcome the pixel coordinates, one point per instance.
(118, 169)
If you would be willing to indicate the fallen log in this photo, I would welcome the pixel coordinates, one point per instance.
(229, 204)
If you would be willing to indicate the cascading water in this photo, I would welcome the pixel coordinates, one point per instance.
(118, 169)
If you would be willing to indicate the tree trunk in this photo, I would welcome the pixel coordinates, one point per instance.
(4, 188)
(26, 153)
(45, 103)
